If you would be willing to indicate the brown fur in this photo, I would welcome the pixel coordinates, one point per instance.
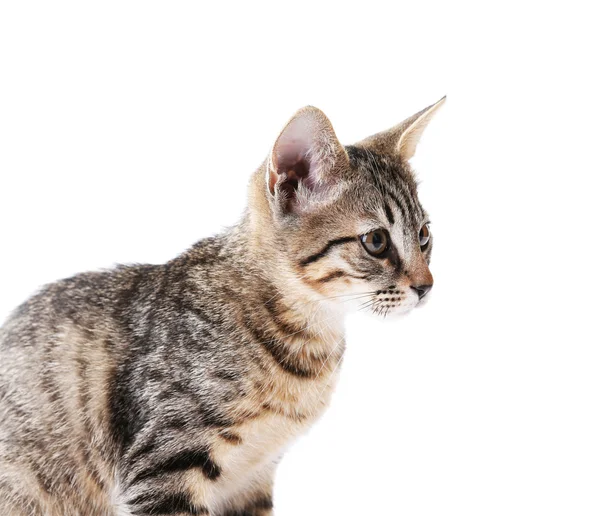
(176, 388)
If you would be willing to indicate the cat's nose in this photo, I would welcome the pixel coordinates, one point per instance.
(421, 290)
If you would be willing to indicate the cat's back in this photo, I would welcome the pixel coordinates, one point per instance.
(57, 354)
(89, 301)
(67, 356)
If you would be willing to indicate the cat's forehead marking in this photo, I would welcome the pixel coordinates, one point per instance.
(395, 188)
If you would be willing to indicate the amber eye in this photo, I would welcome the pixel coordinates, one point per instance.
(424, 235)
(376, 242)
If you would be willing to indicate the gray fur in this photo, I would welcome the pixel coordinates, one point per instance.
(174, 389)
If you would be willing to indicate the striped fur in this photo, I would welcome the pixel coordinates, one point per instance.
(174, 389)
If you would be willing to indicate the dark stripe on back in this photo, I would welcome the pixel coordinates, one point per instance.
(123, 407)
(325, 250)
(181, 461)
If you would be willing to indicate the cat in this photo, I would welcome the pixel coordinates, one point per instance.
(175, 388)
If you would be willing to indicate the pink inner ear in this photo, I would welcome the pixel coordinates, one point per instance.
(292, 166)
(304, 150)
(291, 161)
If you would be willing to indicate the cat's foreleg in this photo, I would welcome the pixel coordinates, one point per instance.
(172, 503)
(256, 500)
(258, 505)
(162, 500)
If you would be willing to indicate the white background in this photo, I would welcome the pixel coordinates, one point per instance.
(128, 130)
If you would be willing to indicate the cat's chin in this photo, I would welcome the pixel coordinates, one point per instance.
(394, 313)
(404, 311)
(422, 302)
(394, 316)
(401, 312)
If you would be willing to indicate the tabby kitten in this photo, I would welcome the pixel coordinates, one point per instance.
(175, 388)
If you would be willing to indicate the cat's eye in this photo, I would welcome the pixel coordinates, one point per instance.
(376, 242)
(424, 236)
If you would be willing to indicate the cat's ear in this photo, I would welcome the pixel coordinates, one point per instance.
(306, 160)
(402, 139)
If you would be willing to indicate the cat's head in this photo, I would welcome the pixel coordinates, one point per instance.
(346, 220)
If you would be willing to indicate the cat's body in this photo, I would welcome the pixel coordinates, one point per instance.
(157, 356)
(175, 389)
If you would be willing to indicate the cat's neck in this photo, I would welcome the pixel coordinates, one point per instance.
(255, 289)
(284, 288)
